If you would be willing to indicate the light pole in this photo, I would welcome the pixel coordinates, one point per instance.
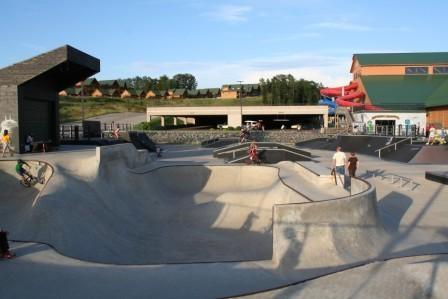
(241, 102)
(82, 101)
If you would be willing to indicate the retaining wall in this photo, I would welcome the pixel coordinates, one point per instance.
(196, 137)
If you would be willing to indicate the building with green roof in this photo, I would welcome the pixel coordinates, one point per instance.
(408, 82)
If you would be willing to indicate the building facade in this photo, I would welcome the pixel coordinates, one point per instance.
(29, 91)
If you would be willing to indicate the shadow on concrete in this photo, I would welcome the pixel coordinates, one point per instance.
(392, 208)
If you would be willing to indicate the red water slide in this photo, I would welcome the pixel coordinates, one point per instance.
(337, 91)
(345, 96)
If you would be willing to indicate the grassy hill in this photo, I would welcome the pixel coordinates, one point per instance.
(70, 108)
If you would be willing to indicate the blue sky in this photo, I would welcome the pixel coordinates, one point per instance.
(222, 41)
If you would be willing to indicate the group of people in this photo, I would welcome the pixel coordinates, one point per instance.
(7, 147)
(436, 136)
(341, 163)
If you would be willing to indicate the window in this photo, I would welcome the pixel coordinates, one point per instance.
(441, 70)
(416, 70)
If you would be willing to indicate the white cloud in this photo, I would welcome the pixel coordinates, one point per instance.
(229, 13)
(330, 70)
(343, 25)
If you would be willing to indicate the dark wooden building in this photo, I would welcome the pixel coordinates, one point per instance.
(29, 90)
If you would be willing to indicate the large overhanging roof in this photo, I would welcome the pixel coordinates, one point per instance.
(65, 65)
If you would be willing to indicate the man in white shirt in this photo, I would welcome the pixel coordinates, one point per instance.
(339, 161)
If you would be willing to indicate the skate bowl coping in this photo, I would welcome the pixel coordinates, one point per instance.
(123, 153)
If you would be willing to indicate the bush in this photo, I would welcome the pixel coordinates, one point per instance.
(143, 126)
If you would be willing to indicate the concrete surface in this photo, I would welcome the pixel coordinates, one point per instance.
(114, 213)
(416, 277)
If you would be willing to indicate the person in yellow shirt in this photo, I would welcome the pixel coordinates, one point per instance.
(6, 143)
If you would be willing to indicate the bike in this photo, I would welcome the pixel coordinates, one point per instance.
(30, 180)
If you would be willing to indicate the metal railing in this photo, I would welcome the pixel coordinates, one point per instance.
(77, 132)
(392, 130)
(392, 145)
(394, 179)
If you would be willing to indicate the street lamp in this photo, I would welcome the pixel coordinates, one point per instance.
(241, 102)
(82, 100)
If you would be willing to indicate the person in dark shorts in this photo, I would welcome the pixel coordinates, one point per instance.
(353, 163)
(4, 246)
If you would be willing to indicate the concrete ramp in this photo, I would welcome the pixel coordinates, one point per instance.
(16, 200)
(178, 214)
(329, 233)
(435, 154)
(277, 225)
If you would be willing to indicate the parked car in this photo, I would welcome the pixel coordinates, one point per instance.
(250, 124)
(298, 127)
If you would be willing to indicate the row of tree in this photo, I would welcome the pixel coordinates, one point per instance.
(187, 81)
(286, 90)
(279, 90)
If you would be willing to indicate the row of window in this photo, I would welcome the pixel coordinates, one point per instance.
(418, 70)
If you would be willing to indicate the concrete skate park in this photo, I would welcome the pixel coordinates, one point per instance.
(115, 221)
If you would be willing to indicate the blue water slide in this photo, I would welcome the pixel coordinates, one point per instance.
(331, 105)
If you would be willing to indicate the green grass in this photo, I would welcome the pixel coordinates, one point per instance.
(249, 101)
(70, 108)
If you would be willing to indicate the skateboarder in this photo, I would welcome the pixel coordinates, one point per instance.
(4, 246)
(21, 170)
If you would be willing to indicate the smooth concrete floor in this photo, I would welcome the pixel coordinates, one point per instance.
(420, 213)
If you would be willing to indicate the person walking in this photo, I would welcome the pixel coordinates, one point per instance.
(339, 161)
(353, 164)
(6, 143)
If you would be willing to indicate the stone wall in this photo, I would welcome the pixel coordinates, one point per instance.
(8, 102)
(9, 108)
(196, 137)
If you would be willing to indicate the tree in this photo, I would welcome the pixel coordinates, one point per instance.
(164, 83)
(264, 91)
(286, 90)
(187, 81)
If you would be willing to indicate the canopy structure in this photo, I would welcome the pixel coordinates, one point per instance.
(29, 91)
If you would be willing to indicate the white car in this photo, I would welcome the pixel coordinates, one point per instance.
(298, 127)
(223, 127)
(250, 123)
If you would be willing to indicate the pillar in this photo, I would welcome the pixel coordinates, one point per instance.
(162, 121)
(234, 119)
(325, 120)
(175, 121)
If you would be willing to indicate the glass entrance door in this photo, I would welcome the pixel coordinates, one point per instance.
(385, 127)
